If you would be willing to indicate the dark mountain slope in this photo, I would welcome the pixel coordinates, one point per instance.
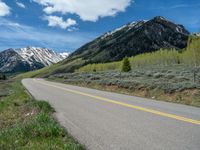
(133, 39)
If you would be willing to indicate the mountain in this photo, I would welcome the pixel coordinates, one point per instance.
(197, 34)
(133, 39)
(26, 59)
(64, 55)
(129, 40)
(11, 61)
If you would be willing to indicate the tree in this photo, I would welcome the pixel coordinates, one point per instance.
(4, 77)
(126, 67)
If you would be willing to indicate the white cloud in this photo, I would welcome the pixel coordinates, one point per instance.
(88, 10)
(59, 22)
(15, 35)
(20, 4)
(4, 9)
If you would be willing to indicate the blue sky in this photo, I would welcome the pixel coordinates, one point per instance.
(65, 25)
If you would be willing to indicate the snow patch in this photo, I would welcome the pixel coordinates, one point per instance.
(64, 55)
(197, 34)
(127, 27)
(43, 56)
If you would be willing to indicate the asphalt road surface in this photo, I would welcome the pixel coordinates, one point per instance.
(108, 121)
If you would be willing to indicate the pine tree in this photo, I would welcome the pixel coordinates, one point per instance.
(126, 67)
(4, 77)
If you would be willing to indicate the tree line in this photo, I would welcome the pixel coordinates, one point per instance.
(189, 56)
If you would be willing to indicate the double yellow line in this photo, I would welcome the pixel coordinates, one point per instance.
(180, 118)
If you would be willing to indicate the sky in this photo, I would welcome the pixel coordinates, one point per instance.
(65, 25)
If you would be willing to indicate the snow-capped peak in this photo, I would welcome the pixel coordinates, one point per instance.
(196, 34)
(43, 56)
(127, 27)
(64, 55)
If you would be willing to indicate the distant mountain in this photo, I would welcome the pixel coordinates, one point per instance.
(26, 59)
(64, 54)
(11, 61)
(133, 39)
(197, 34)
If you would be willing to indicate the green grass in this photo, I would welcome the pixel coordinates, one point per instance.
(4, 89)
(28, 124)
(54, 69)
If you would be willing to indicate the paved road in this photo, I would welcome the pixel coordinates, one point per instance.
(109, 121)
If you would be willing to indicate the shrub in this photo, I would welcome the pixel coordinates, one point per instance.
(126, 67)
(3, 77)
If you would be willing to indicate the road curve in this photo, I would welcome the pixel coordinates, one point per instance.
(109, 121)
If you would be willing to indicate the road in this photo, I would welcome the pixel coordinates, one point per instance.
(109, 121)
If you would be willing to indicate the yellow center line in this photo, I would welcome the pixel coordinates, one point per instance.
(180, 118)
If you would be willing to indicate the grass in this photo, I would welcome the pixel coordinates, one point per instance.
(28, 124)
(172, 83)
(4, 89)
(60, 67)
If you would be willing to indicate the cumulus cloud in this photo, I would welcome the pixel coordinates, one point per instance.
(59, 22)
(4, 9)
(88, 10)
(20, 4)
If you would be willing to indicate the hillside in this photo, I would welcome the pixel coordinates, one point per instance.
(26, 59)
(129, 40)
(133, 39)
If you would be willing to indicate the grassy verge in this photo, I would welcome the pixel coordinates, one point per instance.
(28, 124)
(171, 84)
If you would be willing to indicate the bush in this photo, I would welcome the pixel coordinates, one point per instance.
(126, 67)
(3, 77)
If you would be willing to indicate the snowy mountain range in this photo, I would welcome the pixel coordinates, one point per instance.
(29, 58)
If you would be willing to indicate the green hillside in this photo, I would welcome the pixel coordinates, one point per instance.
(164, 57)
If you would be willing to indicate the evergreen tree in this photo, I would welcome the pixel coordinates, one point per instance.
(4, 77)
(126, 67)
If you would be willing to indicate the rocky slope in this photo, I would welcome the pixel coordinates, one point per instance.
(26, 59)
(134, 38)
(11, 61)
